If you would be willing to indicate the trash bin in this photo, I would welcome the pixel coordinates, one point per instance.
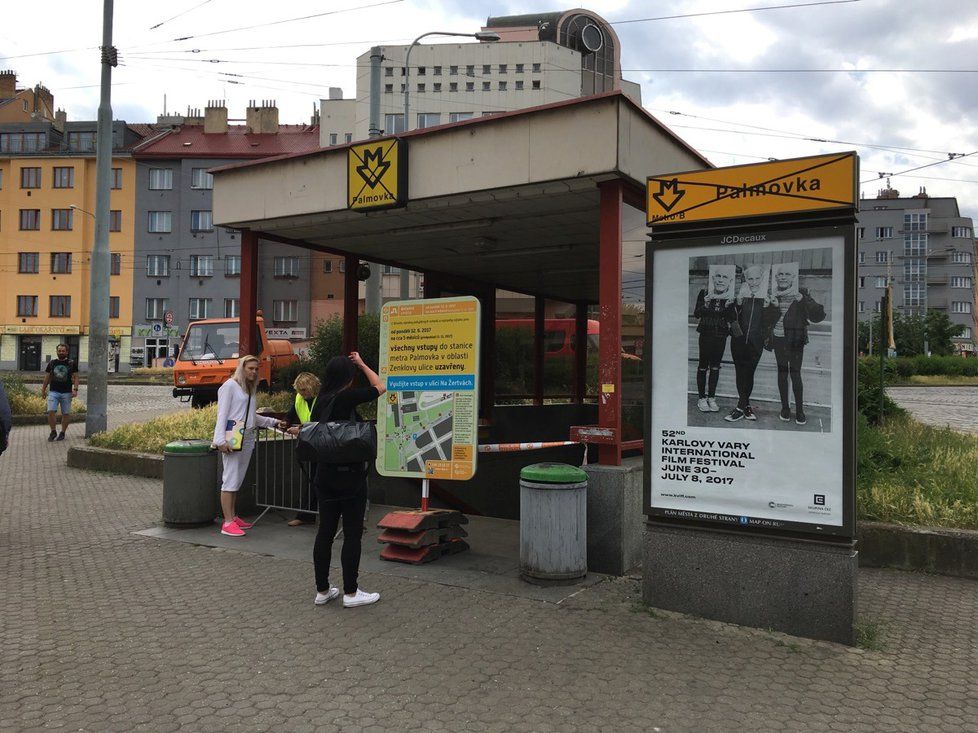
(190, 496)
(553, 523)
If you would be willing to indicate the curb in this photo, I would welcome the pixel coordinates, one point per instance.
(42, 419)
(146, 465)
(929, 549)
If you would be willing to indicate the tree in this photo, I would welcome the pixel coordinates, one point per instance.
(940, 331)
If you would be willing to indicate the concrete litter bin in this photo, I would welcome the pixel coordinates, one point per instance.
(553, 523)
(190, 495)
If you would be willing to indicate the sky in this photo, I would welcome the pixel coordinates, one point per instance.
(894, 80)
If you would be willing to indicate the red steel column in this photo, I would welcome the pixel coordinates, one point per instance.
(609, 319)
(351, 303)
(580, 352)
(487, 377)
(539, 315)
(248, 304)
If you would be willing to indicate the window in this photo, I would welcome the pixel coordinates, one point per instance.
(155, 308)
(965, 232)
(27, 305)
(486, 69)
(470, 70)
(422, 71)
(160, 179)
(436, 87)
(453, 86)
(459, 116)
(61, 220)
(115, 264)
(914, 295)
(914, 222)
(453, 71)
(876, 307)
(882, 257)
(343, 265)
(327, 266)
(421, 88)
(285, 310)
(536, 68)
(113, 306)
(470, 86)
(60, 263)
(28, 262)
(21, 142)
(30, 220)
(961, 258)
(160, 222)
(519, 85)
(232, 307)
(64, 177)
(960, 282)
(862, 232)
(403, 72)
(486, 86)
(965, 334)
(862, 281)
(961, 306)
(502, 86)
(535, 84)
(862, 306)
(332, 138)
(199, 308)
(388, 88)
(884, 232)
(391, 270)
(348, 137)
(232, 265)
(502, 68)
(117, 179)
(428, 119)
(201, 265)
(286, 266)
(388, 71)
(115, 220)
(862, 258)
(158, 265)
(393, 124)
(201, 221)
(881, 281)
(60, 306)
(82, 142)
(403, 88)
(30, 177)
(519, 68)
(200, 178)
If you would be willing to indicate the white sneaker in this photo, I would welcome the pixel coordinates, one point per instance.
(714, 407)
(703, 404)
(360, 598)
(324, 598)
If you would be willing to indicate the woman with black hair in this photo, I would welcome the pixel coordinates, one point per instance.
(341, 488)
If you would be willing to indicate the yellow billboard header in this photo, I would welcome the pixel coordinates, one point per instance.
(375, 176)
(819, 183)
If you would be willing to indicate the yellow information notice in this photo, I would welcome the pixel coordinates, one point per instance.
(816, 183)
(374, 175)
(427, 423)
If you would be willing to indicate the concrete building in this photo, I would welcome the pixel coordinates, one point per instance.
(47, 229)
(187, 269)
(539, 59)
(926, 249)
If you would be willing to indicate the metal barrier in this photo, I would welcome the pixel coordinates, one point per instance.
(280, 482)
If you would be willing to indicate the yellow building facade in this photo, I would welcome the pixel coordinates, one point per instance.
(46, 239)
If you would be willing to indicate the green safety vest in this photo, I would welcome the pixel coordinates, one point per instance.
(303, 409)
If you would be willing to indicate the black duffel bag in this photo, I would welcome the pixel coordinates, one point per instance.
(341, 441)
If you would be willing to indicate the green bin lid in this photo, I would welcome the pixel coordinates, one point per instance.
(553, 473)
(194, 446)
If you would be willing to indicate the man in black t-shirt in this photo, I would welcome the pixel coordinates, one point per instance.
(60, 386)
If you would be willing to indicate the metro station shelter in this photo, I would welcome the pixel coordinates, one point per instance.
(543, 207)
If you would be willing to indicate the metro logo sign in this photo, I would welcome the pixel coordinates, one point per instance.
(376, 175)
(821, 183)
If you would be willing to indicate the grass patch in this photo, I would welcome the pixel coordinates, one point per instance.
(939, 380)
(152, 436)
(911, 473)
(639, 607)
(869, 635)
(24, 401)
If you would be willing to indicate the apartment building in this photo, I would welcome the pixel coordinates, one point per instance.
(47, 230)
(926, 250)
(25, 104)
(185, 268)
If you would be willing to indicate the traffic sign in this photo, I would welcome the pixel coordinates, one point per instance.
(168, 318)
(376, 175)
(820, 183)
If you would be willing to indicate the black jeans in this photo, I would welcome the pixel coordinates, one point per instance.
(789, 365)
(309, 491)
(711, 352)
(351, 511)
(745, 358)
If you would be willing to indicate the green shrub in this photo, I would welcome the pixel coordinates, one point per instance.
(870, 389)
(284, 377)
(25, 401)
(327, 341)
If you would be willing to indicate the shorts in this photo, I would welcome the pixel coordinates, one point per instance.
(59, 398)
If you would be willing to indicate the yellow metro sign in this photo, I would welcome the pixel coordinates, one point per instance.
(376, 175)
(819, 183)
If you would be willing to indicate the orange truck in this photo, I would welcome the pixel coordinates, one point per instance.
(209, 355)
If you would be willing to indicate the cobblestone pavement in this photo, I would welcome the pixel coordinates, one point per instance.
(106, 631)
(954, 406)
(128, 402)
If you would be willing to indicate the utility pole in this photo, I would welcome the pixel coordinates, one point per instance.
(96, 418)
(374, 287)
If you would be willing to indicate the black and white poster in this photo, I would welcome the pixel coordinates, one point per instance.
(747, 382)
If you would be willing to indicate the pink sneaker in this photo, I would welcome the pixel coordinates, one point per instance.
(232, 530)
(242, 523)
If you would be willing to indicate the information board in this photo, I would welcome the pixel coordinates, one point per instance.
(751, 420)
(427, 422)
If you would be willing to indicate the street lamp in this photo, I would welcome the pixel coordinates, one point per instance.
(488, 36)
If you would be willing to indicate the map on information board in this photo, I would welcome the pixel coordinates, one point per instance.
(429, 355)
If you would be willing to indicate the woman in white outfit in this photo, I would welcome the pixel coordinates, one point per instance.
(236, 400)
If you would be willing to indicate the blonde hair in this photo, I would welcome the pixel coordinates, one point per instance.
(239, 375)
(307, 380)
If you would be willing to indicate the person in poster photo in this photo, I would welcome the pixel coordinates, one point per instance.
(714, 310)
(755, 314)
(789, 335)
